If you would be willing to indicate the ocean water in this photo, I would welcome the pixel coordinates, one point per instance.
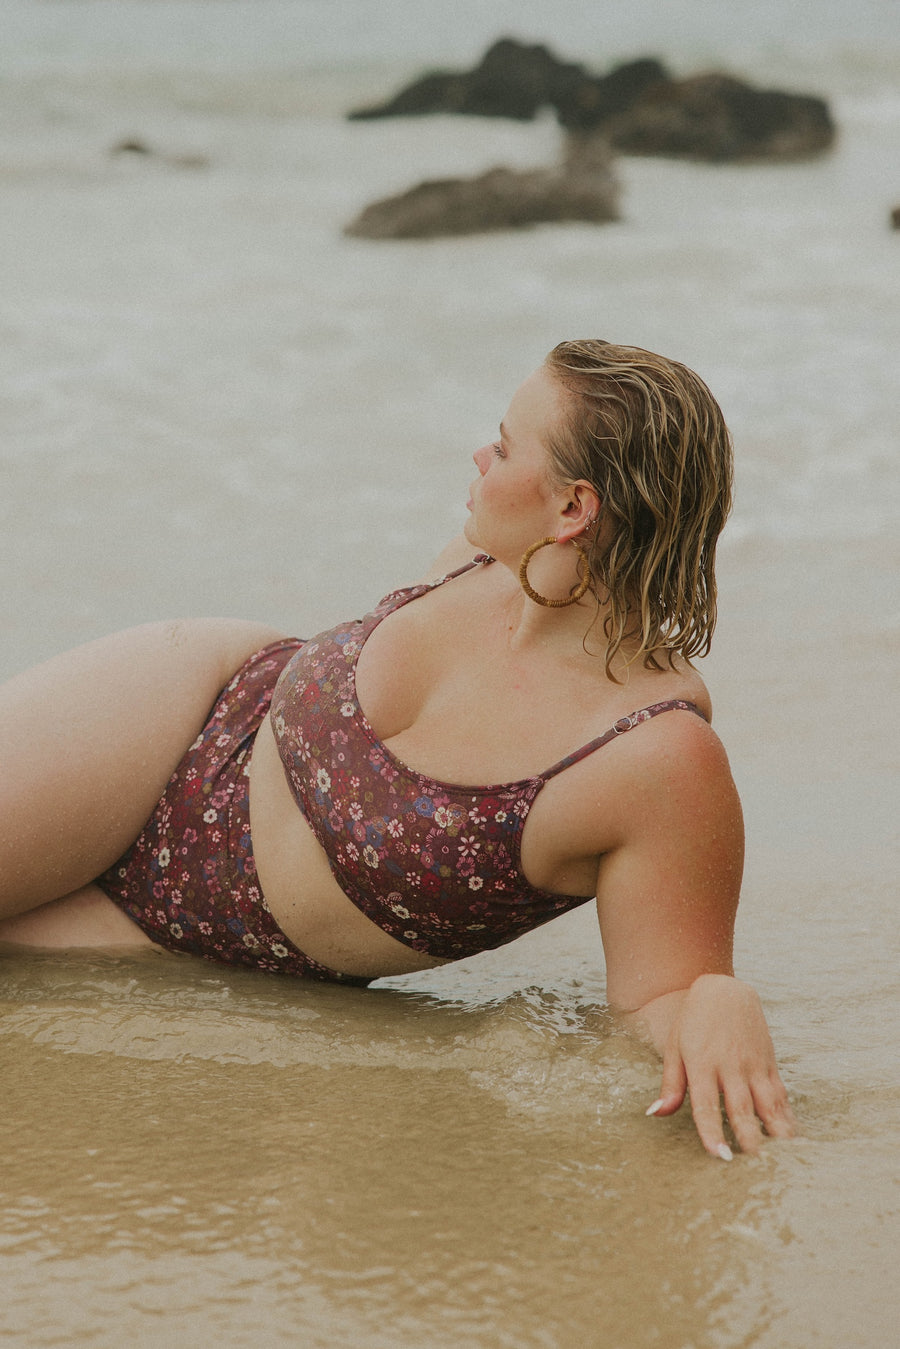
(214, 402)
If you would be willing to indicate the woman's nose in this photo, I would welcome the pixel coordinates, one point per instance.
(482, 459)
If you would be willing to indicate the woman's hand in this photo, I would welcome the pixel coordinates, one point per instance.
(718, 1043)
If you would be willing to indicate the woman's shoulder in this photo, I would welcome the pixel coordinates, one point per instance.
(675, 765)
(672, 747)
(669, 678)
(668, 779)
(663, 731)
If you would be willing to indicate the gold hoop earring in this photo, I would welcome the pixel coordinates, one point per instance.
(542, 599)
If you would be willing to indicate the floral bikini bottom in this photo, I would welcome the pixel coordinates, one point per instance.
(189, 881)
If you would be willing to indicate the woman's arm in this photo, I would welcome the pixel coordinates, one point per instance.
(667, 899)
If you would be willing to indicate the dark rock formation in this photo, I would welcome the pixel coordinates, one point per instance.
(594, 99)
(715, 117)
(582, 188)
(511, 80)
(895, 218)
(641, 109)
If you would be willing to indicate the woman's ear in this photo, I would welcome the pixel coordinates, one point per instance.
(580, 509)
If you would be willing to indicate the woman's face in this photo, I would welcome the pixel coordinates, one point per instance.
(513, 501)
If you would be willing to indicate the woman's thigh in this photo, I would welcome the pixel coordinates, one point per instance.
(89, 740)
(86, 918)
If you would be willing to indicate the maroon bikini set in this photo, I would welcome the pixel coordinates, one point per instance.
(434, 864)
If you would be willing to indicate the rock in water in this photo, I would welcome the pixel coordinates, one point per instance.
(642, 110)
(582, 188)
(717, 118)
(593, 100)
(512, 80)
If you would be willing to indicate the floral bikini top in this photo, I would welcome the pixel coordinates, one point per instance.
(434, 864)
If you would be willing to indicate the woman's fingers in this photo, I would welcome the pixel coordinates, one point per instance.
(749, 1107)
(707, 1112)
(773, 1107)
(752, 1105)
(742, 1117)
(674, 1083)
(721, 1052)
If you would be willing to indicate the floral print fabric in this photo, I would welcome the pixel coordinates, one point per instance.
(435, 865)
(190, 880)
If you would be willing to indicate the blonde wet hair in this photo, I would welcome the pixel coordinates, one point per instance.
(649, 437)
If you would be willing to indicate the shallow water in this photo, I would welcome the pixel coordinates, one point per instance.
(196, 1154)
(213, 402)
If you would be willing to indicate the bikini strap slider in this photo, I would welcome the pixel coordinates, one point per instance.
(624, 724)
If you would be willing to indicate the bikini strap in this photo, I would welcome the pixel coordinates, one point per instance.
(479, 560)
(620, 727)
(396, 599)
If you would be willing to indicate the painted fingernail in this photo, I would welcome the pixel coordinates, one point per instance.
(652, 1109)
(724, 1151)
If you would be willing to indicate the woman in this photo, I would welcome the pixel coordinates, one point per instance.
(558, 631)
